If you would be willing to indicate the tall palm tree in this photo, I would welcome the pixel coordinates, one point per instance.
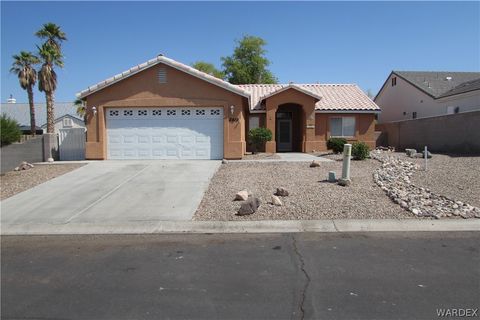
(81, 110)
(50, 56)
(23, 66)
(52, 33)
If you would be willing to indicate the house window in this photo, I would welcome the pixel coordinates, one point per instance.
(67, 123)
(342, 127)
(414, 115)
(394, 81)
(253, 122)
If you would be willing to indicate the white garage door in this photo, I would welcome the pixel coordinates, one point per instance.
(164, 133)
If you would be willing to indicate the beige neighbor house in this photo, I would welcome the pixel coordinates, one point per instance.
(418, 94)
(163, 109)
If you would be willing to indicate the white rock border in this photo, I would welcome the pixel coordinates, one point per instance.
(394, 178)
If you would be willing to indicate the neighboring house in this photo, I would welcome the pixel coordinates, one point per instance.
(63, 110)
(163, 109)
(66, 121)
(418, 94)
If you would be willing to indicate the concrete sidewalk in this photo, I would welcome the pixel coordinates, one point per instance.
(273, 226)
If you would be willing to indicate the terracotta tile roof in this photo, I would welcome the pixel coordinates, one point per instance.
(333, 97)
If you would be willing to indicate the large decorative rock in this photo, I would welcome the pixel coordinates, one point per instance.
(276, 201)
(410, 152)
(344, 182)
(224, 161)
(241, 195)
(24, 166)
(249, 207)
(315, 163)
(282, 192)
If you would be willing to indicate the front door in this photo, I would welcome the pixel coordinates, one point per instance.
(284, 134)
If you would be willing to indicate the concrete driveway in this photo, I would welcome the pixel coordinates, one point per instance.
(114, 192)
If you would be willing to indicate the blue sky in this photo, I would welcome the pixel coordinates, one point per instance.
(327, 42)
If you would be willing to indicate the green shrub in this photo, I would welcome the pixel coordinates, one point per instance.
(9, 130)
(258, 136)
(360, 151)
(336, 144)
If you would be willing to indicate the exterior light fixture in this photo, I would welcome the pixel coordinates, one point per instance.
(232, 110)
(94, 110)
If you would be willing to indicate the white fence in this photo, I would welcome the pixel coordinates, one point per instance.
(71, 144)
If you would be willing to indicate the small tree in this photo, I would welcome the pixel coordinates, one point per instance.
(248, 63)
(258, 136)
(209, 69)
(9, 131)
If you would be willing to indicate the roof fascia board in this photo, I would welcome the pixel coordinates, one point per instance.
(455, 95)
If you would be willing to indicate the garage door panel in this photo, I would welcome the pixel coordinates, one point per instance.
(165, 133)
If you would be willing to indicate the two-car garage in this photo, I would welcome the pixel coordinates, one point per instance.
(164, 133)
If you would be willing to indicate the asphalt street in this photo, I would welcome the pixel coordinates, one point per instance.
(240, 276)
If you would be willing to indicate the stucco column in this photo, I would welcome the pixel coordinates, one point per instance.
(309, 138)
(270, 122)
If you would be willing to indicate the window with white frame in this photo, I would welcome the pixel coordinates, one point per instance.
(342, 127)
(67, 122)
(253, 122)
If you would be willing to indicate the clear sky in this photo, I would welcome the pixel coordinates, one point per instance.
(326, 42)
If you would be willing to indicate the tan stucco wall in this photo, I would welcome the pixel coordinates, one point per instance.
(315, 126)
(181, 90)
(455, 133)
(364, 128)
(308, 117)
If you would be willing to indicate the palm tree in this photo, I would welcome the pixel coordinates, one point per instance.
(53, 33)
(23, 67)
(50, 56)
(81, 110)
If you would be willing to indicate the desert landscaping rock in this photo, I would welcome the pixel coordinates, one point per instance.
(310, 196)
(17, 181)
(394, 177)
(410, 152)
(282, 192)
(249, 207)
(344, 182)
(241, 195)
(276, 201)
(314, 164)
(24, 166)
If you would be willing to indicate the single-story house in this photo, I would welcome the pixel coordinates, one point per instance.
(163, 109)
(409, 95)
(65, 116)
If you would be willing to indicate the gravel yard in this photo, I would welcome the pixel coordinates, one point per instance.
(14, 182)
(260, 155)
(311, 197)
(457, 177)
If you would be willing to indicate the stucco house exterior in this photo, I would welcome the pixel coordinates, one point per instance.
(65, 116)
(420, 94)
(163, 109)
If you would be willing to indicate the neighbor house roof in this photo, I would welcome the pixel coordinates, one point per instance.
(436, 83)
(21, 112)
(332, 97)
(65, 116)
(170, 62)
(463, 88)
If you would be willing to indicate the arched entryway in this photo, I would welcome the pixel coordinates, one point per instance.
(288, 127)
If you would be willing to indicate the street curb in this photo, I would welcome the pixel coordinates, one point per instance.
(267, 226)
